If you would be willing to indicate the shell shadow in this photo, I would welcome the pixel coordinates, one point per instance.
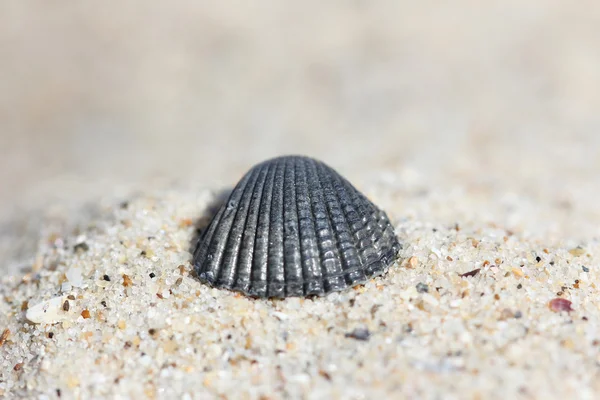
(208, 214)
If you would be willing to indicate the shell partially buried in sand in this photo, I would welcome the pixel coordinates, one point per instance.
(294, 227)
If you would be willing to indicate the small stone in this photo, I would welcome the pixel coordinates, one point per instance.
(66, 305)
(81, 247)
(85, 314)
(74, 276)
(517, 272)
(49, 311)
(4, 336)
(506, 314)
(18, 367)
(585, 269)
(412, 262)
(577, 251)
(106, 278)
(170, 346)
(152, 275)
(422, 287)
(359, 334)
(325, 375)
(560, 304)
(127, 281)
(471, 273)
(185, 223)
(147, 253)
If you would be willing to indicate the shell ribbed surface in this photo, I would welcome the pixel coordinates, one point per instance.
(294, 227)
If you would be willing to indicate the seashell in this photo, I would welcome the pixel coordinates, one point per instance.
(294, 227)
(47, 312)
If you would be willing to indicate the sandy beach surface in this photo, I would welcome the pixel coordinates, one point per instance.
(474, 126)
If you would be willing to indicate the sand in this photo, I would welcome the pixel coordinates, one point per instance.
(464, 313)
(474, 128)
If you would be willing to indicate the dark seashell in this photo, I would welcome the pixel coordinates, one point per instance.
(294, 227)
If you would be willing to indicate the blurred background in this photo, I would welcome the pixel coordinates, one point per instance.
(100, 99)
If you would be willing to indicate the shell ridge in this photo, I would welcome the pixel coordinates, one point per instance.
(354, 215)
(258, 285)
(203, 255)
(227, 272)
(375, 237)
(331, 266)
(373, 227)
(352, 193)
(291, 236)
(216, 248)
(347, 246)
(308, 239)
(206, 238)
(295, 185)
(313, 199)
(275, 263)
(250, 226)
(374, 254)
(363, 230)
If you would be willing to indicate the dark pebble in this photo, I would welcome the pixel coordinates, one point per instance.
(374, 309)
(103, 302)
(106, 278)
(66, 305)
(152, 275)
(471, 273)
(585, 269)
(518, 314)
(83, 246)
(359, 334)
(538, 259)
(519, 286)
(422, 288)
